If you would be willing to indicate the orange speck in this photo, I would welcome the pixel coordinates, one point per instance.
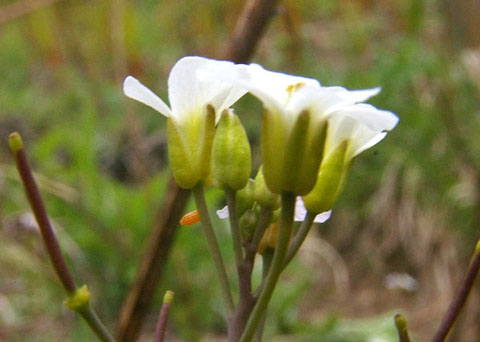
(190, 218)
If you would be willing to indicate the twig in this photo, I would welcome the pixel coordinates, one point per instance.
(155, 257)
(78, 298)
(162, 317)
(21, 8)
(459, 301)
(250, 27)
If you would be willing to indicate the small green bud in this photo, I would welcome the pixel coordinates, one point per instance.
(248, 222)
(245, 198)
(330, 181)
(190, 148)
(477, 247)
(401, 325)
(262, 193)
(78, 301)
(15, 141)
(231, 156)
(168, 297)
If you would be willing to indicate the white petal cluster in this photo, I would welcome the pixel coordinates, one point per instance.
(193, 83)
(363, 125)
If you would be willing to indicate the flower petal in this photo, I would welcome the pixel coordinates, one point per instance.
(274, 89)
(375, 119)
(223, 213)
(195, 82)
(137, 91)
(355, 96)
(323, 217)
(301, 212)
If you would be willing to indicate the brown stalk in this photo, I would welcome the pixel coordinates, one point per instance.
(250, 27)
(459, 301)
(40, 212)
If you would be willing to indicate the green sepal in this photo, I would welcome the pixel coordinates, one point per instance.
(190, 148)
(295, 154)
(262, 193)
(330, 181)
(78, 301)
(273, 150)
(231, 156)
(304, 154)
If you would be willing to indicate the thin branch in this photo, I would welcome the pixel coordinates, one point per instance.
(251, 26)
(78, 298)
(459, 301)
(162, 317)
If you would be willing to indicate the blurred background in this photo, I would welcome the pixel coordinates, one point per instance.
(399, 239)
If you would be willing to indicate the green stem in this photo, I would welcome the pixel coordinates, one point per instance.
(96, 325)
(212, 242)
(267, 262)
(285, 231)
(299, 238)
(234, 226)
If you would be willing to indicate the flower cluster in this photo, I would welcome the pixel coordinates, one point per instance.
(310, 133)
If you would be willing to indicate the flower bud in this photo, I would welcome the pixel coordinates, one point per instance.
(190, 148)
(269, 239)
(245, 198)
(231, 159)
(262, 193)
(248, 222)
(330, 182)
(78, 301)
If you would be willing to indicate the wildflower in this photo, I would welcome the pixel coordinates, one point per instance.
(352, 130)
(295, 124)
(198, 91)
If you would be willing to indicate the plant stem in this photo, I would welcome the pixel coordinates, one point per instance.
(233, 216)
(299, 237)
(38, 207)
(459, 301)
(267, 262)
(285, 231)
(162, 317)
(51, 243)
(212, 243)
(90, 316)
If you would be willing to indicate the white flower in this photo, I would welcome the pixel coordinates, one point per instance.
(198, 88)
(194, 82)
(361, 125)
(300, 213)
(295, 122)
